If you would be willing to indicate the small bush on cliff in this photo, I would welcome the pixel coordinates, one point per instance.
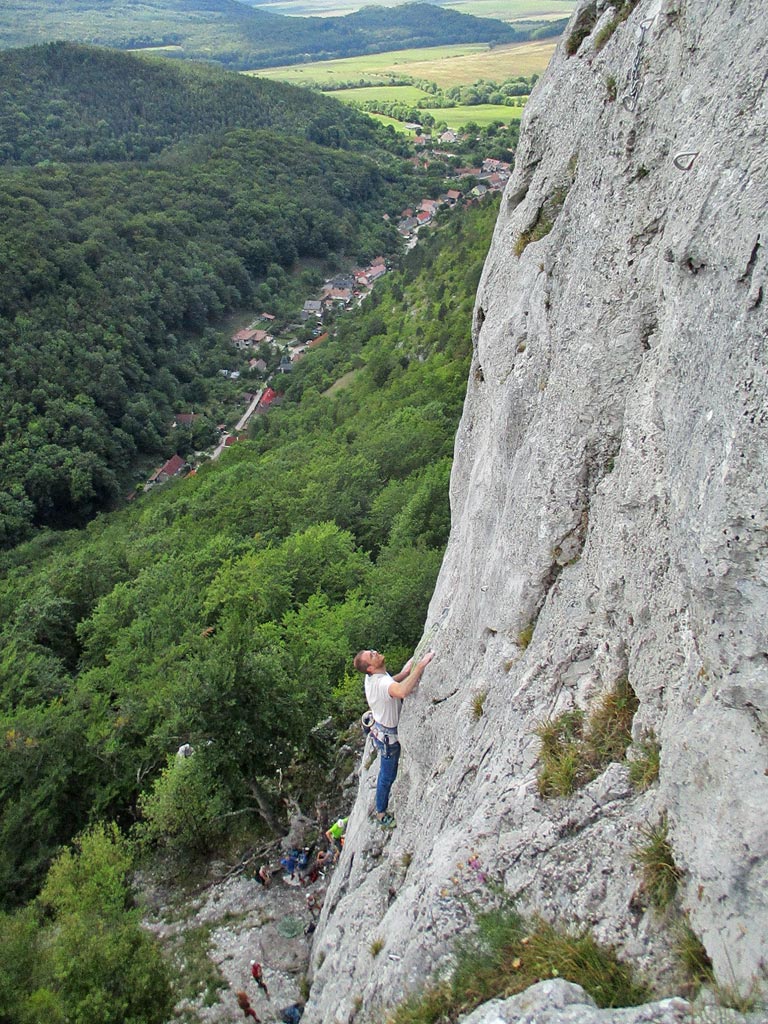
(478, 703)
(560, 756)
(692, 955)
(507, 954)
(609, 729)
(585, 22)
(545, 219)
(623, 11)
(645, 764)
(654, 857)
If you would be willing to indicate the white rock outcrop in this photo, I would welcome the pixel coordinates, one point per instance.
(609, 500)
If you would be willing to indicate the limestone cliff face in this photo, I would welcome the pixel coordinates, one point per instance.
(609, 492)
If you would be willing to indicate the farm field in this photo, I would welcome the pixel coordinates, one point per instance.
(515, 10)
(482, 114)
(504, 10)
(392, 93)
(444, 65)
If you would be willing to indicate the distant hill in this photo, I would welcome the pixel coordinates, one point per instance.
(65, 102)
(237, 35)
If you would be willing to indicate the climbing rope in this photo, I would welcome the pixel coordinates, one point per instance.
(629, 99)
(424, 644)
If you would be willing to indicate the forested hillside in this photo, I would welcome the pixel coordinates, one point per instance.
(224, 610)
(238, 36)
(156, 203)
(65, 102)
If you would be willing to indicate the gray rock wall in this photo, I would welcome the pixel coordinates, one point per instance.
(609, 494)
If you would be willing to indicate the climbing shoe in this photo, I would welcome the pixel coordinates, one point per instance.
(387, 821)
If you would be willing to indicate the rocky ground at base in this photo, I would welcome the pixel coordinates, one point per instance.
(213, 936)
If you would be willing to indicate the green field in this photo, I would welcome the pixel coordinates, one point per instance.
(391, 93)
(444, 65)
(482, 114)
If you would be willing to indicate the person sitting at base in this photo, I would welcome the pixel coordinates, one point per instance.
(385, 695)
(288, 864)
(319, 863)
(245, 1005)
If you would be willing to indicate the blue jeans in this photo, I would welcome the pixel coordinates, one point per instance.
(389, 756)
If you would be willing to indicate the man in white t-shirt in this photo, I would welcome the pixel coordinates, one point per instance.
(385, 694)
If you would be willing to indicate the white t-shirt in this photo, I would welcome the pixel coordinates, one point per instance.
(386, 709)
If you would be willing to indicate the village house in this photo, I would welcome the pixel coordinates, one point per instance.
(257, 365)
(167, 471)
(493, 181)
(185, 419)
(452, 196)
(341, 281)
(248, 338)
(269, 398)
(338, 297)
(375, 271)
(490, 165)
(312, 307)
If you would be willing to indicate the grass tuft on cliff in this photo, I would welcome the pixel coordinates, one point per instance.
(509, 953)
(574, 750)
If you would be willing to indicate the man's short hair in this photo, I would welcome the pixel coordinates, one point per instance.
(360, 661)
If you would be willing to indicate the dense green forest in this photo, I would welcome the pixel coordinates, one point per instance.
(222, 611)
(157, 203)
(239, 36)
(64, 102)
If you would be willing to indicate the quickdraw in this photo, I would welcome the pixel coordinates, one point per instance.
(629, 99)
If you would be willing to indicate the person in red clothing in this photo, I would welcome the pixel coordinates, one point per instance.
(245, 1005)
(258, 977)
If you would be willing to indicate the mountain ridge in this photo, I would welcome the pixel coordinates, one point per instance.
(242, 37)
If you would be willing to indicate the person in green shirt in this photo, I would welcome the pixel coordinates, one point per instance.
(335, 834)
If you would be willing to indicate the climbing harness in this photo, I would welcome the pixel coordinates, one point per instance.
(684, 161)
(384, 733)
(629, 99)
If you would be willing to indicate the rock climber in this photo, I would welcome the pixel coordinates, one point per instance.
(385, 694)
(335, 834)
